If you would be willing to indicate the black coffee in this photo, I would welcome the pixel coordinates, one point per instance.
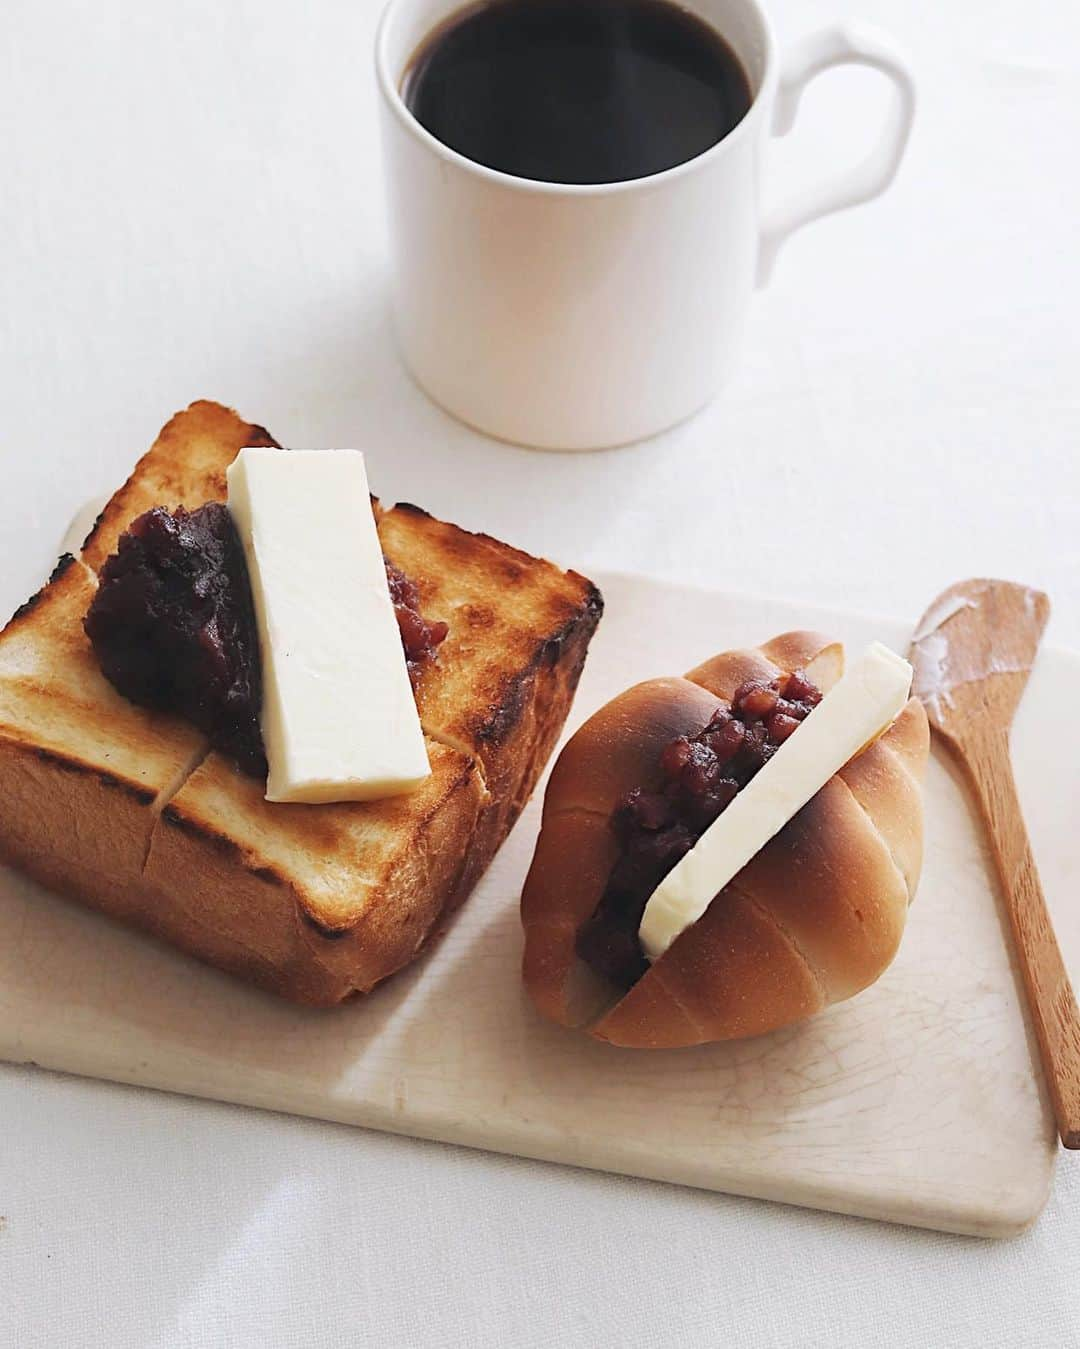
(577, 91)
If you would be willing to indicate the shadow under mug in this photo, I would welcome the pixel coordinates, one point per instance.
(577, 317)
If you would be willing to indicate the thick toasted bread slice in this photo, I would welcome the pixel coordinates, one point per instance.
(126, 810)
(519, 626)
(312, 902)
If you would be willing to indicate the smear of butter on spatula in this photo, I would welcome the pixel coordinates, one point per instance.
(941, 666)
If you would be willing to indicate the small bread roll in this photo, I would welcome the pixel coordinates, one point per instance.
(817, 914)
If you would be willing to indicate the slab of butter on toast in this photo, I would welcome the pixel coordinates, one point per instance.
(339, 719)
(132, 812)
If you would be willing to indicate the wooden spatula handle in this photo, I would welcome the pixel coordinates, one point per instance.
(1050, 994)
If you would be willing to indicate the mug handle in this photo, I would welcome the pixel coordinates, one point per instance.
(841, 45)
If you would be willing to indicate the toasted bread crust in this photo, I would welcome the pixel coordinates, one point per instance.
(508, 670)
(185, 466)
(275, 930)
(131, 813)
(814, 918)
(63, 564)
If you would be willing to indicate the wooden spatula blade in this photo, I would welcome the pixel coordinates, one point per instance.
(973, 650)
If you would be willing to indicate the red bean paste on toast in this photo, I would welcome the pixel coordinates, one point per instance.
(173, 626)
(420, 638)
(700, 775)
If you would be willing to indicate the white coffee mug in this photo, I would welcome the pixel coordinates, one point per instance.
(576, 317)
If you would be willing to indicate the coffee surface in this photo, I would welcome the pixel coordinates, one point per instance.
(577, 91)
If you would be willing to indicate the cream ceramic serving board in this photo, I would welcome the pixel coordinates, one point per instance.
(920, 1101)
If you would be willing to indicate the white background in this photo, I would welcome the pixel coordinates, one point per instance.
(190, 207)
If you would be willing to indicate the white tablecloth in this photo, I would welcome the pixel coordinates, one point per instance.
(190, 206)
